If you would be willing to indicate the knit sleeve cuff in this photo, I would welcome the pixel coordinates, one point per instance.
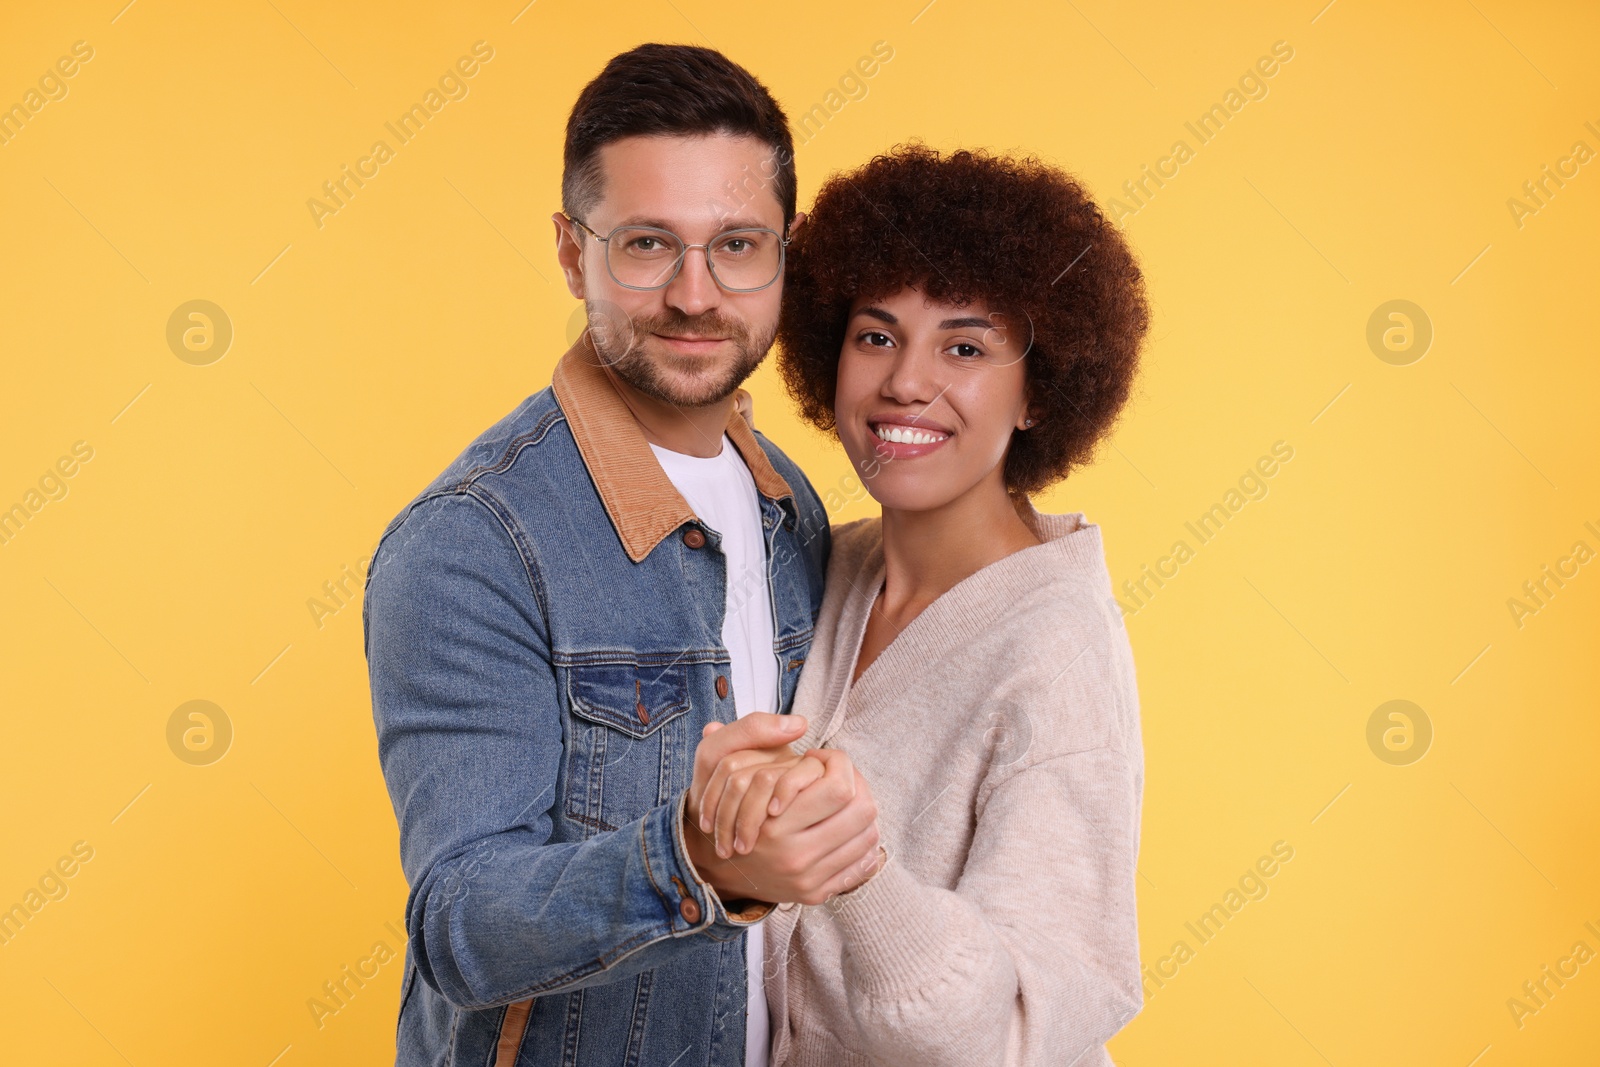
(889, 931)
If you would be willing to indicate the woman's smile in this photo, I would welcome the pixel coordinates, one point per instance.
(905, 437)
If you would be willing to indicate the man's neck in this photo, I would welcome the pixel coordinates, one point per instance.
(693, 431)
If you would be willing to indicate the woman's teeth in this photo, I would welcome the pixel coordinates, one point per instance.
(905, 435)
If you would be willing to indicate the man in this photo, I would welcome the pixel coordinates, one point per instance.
(553, 623)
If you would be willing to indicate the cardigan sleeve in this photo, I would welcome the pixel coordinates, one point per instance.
(1033, 957)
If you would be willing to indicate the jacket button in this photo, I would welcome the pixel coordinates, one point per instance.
(689, 910)
(694, 538)
(644, 712)
(722, 686)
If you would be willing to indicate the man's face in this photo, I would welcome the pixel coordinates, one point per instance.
(690, 343)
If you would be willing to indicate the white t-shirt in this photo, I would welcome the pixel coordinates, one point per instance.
(723, 496)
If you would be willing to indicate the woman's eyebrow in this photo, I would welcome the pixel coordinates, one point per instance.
(882, 315)
(953, 324)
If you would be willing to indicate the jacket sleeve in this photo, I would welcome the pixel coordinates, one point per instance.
(1030, 968)
(469, 732)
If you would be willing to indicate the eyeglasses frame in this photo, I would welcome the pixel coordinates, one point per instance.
(783, 245)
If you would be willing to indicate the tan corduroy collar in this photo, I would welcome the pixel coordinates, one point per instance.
(641, 500)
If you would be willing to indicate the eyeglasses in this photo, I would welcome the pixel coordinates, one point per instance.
(644, 257)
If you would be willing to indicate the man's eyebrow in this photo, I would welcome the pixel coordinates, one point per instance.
(726, 224)
(644, 220)
(881, 315)
(723, 225)
(952, 324)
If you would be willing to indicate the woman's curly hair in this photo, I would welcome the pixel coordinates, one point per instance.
(1016, 234)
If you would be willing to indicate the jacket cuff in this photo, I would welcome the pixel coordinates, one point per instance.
(737, 912)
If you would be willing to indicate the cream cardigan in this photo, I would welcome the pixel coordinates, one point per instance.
(1000, 734)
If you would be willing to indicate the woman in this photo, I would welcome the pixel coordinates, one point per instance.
(968, 326)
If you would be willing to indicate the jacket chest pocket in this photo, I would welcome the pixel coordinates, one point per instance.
(626, 749)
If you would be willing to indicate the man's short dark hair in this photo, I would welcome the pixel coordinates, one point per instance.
(674, 89)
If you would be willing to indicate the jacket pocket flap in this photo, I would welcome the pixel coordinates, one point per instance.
(635, 699)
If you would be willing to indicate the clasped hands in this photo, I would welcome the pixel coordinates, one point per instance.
(765, 823)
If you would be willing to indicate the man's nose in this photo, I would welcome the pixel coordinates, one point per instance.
(694, 291)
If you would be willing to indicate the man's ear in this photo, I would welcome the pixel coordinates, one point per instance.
(569, 253)
(794, 223)
(742, 401)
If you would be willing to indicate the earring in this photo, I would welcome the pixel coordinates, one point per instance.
(1028, 423)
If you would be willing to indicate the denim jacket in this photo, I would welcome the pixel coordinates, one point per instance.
(543, 635)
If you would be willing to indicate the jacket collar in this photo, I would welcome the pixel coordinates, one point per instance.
(643, 504)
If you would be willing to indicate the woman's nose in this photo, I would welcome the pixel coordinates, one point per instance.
(911, 378)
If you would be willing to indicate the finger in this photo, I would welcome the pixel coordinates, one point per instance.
(802, 774)
(751, 776)
(828, 794)
(752, 810)
(814, 842)
(716, 785)
(759, 729)
(736, 787)
(852, 863)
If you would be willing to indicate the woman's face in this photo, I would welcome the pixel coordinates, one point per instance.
(928, 396)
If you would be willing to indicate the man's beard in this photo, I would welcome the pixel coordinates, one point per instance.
(684, 381)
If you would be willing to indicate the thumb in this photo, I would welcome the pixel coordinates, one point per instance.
(789, 725)
(764, 729)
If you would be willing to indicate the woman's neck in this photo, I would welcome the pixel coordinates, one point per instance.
(926, 553)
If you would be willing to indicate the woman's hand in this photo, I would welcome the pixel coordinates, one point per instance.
(745, 787)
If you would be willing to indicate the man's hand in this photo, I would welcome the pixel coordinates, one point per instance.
(824, 842)
(733, 749)
(746, 786)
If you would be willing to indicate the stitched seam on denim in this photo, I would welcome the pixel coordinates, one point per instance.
(512, 450)
(595, 712)
(605, 963)
(795, 640)
(644, 848)
(401, 523)
(530, 567)
(594, 778)
(573, 1027)
(396, 524)
(411, 986)
(633, 658)
(464, 483)
(641, 1006)
(589, 820)
(594, 716)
